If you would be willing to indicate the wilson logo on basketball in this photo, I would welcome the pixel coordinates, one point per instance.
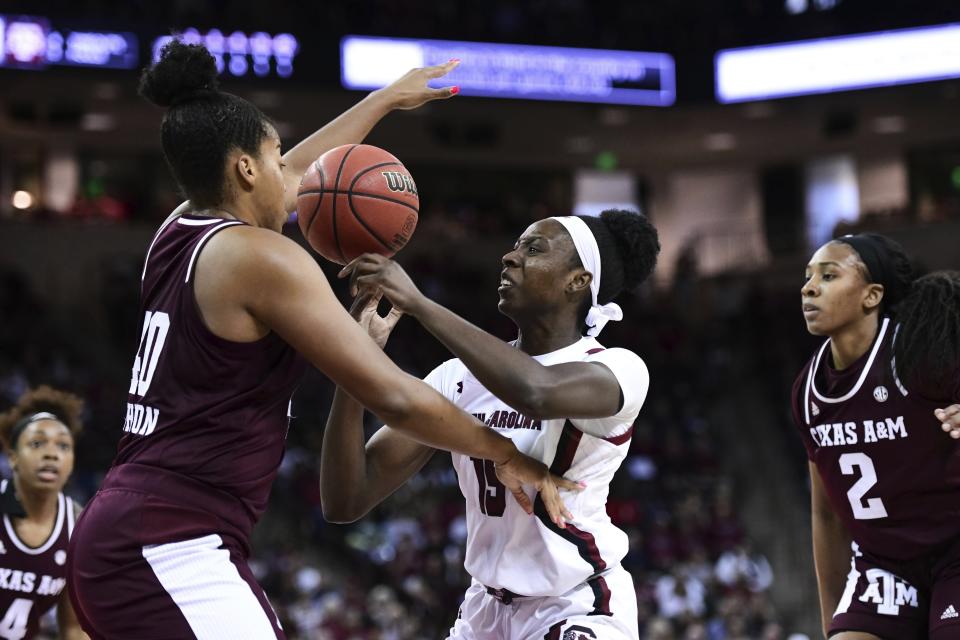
(400, 182)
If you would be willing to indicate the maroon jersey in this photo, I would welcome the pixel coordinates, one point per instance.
(206, 417)
(889, 470)
(32, 578)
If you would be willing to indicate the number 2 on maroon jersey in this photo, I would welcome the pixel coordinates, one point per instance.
(872, 508)
(493, 495)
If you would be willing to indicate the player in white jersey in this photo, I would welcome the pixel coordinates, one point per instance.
(556, 392)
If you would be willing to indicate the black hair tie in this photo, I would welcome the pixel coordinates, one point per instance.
(192, 96)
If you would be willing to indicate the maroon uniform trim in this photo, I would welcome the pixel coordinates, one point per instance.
(601, 601)
(622, 438)
(554, 632)
(584, 541)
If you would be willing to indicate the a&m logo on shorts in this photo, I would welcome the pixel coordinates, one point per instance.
(577, 632)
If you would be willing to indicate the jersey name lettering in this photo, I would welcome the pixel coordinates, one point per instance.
(26, 582)
(845, 433)
(507, 419)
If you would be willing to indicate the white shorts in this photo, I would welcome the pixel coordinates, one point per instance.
(603, 608)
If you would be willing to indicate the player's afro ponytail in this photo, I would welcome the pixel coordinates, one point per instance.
(202, 124)
(927, 346)
(628, 245)
(183, 71)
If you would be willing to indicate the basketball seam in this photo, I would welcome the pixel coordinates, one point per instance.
(363, 194)
(333, 214)
(354, 211)
(316, 209)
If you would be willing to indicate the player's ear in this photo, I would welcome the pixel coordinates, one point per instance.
(580, 281)
(245, 168)
(873, 296)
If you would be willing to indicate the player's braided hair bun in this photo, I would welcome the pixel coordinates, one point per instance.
(66, 406)
(203, 125)
(184, 71)
(628, 245)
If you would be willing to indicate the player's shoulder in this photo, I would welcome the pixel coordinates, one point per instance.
(621, 358)
(255, 253)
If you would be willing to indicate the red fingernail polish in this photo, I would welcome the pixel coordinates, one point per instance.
(454, 90)
(454, 60)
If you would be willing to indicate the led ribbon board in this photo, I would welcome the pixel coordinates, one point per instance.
(838, 64)
(241, 54)
(29, 42)
(515, 71)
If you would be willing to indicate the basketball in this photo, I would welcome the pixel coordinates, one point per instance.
(357, 199)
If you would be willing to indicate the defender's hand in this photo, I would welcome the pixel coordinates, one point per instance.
(950, 419)
(374, 273)
(411, 91)
(364, 311)
(522, 469)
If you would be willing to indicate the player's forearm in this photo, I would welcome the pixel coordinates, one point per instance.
(505, 371)
(350, 127)
(343, 461)
(433, 420)
(831, 556)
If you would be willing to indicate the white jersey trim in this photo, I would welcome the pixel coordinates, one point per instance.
(863, 374)
(156, 236)
(203, 241)
(198, 223)
(54, 535)
(893, 363)
(209, 591)
(71, 518)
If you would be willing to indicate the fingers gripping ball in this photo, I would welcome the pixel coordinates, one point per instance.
(357, 199)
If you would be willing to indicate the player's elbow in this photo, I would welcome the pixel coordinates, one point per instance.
(397, 405)
(341, 509)
(532, 400)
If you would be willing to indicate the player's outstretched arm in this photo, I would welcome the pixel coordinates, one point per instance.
(831, 549)
(353, 125)
(568, 390)
(355, 476)
(280, 285)
(67, 622)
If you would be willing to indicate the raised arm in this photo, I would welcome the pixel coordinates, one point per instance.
(568, 390)
(831, 549)
(279, 285)
(353, 125)
(356, 476)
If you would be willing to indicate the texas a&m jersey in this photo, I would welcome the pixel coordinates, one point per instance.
(891, 473)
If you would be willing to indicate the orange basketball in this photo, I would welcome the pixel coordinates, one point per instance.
(357, 199)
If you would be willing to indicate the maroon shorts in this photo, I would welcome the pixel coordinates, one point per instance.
(126, 581)
(901, 600)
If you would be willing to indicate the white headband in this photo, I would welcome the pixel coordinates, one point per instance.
(586, 244)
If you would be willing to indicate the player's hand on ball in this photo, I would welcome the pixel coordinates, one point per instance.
(411, 90)
(364, 311)
(523, 470)
(374, 273)
(950, 419)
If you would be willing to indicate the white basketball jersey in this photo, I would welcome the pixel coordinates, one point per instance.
(530, 555)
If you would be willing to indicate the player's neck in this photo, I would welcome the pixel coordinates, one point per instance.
(853, 341)
(40, 505)
(546, 335)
